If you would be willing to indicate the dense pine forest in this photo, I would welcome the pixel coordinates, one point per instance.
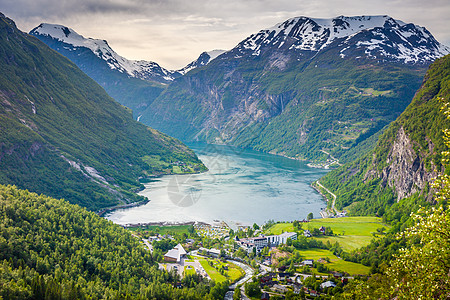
(50, 249)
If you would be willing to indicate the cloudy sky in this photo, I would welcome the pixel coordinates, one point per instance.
(175, 32)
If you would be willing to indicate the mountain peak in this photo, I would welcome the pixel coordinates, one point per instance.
(204, 59)
(146, 70)
(369, 36)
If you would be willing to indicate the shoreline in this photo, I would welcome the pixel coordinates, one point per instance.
(163, 223)
(103, 211)
(309, 162)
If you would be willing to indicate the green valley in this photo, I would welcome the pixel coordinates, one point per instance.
(87, 211)
(311, 106)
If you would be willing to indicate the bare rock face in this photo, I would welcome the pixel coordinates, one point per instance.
(406, 171)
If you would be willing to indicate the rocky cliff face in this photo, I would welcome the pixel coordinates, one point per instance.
(406, 172)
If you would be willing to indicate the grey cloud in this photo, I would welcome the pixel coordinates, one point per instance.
(158, 29)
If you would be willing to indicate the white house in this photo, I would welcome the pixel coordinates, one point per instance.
(328, 284)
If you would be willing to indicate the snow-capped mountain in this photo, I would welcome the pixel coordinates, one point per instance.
(380, 37)
(204, 59)
(288, 89)
(72, 41)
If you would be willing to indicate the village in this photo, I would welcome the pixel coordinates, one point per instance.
(299, 260)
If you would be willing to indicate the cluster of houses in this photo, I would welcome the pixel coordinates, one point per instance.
(159, 237)
(282, 282)
(260, 242)
(307, 233)
(210, 231)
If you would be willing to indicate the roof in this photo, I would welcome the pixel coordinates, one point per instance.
(288, 234)
(308, 262)
(180, 249)
(173, 253)
(215, 251)
(327, 284)
(176, 252)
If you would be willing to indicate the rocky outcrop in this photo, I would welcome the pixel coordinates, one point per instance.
(406, 172)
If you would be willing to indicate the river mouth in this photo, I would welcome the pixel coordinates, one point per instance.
(242, 187)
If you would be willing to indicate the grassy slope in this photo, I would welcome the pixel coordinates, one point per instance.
(336, 263)
(49, 109)
(352, 232)
(234, 272)
(212, 272)
(177, 229)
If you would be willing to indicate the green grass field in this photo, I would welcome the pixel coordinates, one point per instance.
(336, 264)
(352, 232)
(189, 271)
(177, 170)
(234, 272)
(212, 272)
(180, 229)
(279, 228)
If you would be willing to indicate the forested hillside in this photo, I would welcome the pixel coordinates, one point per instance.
(62, 135)
(134, 84)
(412, 260)
(50, 249)
(396, 175)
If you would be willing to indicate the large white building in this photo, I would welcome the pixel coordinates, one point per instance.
(275, 240)
(263, 241)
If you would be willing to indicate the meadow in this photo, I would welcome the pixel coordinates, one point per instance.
(336, 264)
(232, 274)
(350, 232)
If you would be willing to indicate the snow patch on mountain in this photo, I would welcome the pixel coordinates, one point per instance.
(380, 36)
(204, 59)
(142, 69)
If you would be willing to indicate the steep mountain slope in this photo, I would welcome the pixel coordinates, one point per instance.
(306, 88)
(73, 42)
(62, 135)
(51, 249)
(134, 84)
(407, 157)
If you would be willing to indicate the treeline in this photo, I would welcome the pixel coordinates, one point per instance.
(50, 249)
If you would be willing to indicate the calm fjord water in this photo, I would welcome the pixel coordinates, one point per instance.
(241, 187)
